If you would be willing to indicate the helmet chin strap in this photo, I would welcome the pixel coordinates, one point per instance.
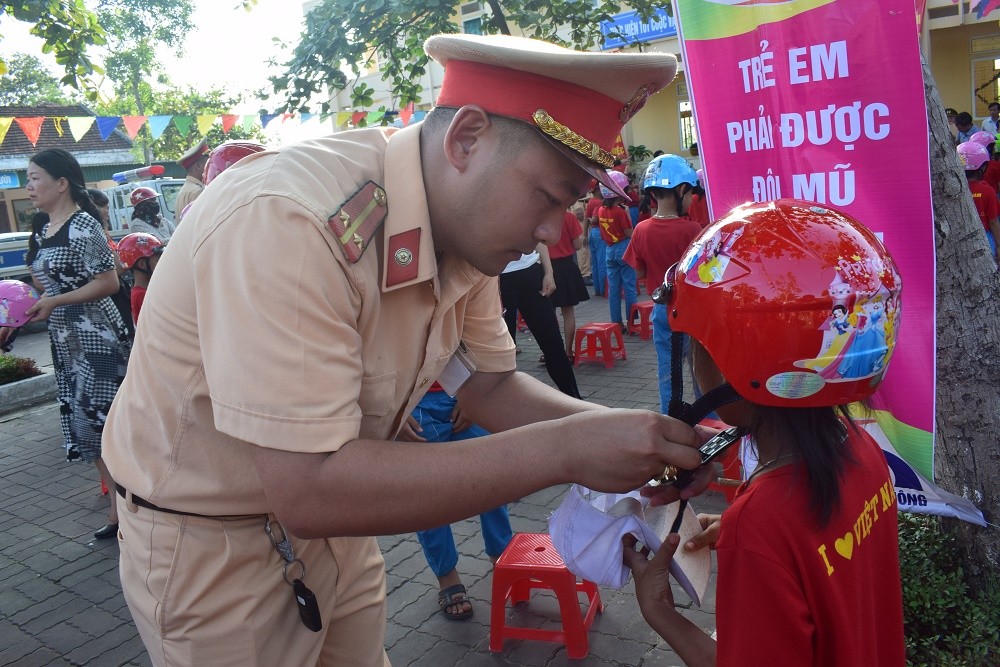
(692, 413)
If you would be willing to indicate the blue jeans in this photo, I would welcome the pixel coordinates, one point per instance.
(433, 412)
(621, 277)
(598, 252)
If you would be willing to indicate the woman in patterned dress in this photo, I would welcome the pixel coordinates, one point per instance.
(90, 343)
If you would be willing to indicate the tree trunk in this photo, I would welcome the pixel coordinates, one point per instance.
(967, 415)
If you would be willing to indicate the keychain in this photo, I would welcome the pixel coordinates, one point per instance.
(305, 600)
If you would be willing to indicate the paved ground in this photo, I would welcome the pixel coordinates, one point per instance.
(61, 602)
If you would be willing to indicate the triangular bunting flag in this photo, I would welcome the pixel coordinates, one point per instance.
(57, 121)
(419, 116)
(306, 117)
(357, 117)
(249, 122)
(133, 124)
(618, 150)
(286, 116)
(228, 120)
(205, 122)
(5, 124)
(79, 126)
(106, 125)
(405, 113)
(343, 117)
(32, 127)
(266, 118)
(374, 117)
(183, 124)
(157, 125)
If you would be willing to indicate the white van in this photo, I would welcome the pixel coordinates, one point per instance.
(120, 206)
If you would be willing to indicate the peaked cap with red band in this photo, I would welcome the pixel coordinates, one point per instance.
(578, 100)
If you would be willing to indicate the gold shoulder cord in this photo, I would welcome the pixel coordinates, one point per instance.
(568, 137)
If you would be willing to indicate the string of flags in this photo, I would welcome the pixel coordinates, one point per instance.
(78, 126)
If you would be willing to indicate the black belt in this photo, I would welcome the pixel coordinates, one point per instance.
(142, 502)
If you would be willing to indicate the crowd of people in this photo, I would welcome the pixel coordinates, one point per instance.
(328, 355)
(975, 147)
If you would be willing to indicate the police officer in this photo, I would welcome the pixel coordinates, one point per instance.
(305, 307)
(193, 162)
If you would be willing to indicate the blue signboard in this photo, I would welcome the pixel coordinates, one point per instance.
(632, 28)
(8, 180)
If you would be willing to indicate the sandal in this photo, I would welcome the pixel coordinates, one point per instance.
(455, 597)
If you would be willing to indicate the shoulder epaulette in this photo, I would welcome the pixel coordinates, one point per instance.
(356, 221)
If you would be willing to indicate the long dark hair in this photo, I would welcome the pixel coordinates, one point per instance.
(820, 435)
(38, 222)
(59, 163)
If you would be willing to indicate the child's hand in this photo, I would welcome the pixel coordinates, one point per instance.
(709, 535)
(410, 430)
(664, 494)
(652, 576)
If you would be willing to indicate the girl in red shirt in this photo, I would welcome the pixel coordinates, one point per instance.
(808, 566)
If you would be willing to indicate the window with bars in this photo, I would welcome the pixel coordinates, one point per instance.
(686, 117)
(985, 85)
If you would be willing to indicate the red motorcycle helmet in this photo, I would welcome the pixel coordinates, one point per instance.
(797, 304)
(226, 155)
(140, 195)
(137, 245)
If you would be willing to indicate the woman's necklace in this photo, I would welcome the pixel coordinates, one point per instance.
(664, 217)
(764, 466)
(55, 226)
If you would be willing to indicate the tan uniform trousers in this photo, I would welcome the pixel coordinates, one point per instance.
(583, 257)
(210, 592)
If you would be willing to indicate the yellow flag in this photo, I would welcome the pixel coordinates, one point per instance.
(343, 117)
(5, 124)
(79, 126)
(205, 122)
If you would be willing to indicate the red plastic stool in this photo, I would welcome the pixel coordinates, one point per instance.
(644, 327)
(530, 561)
(599, 341)
(104, 488)
(521, 325)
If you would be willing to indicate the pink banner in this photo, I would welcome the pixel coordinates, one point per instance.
(823, 100)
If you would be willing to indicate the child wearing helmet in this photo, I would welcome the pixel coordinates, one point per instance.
(140, 252)
(146, 215)
(808, 563)
(616, 229)
(974, 159)
(658, 243)
(991, 175)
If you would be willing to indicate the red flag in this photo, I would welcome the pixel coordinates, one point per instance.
(228, 121)
(133, 124)
(619, 148)
(406, 113)
(32, 127)
(357, 117)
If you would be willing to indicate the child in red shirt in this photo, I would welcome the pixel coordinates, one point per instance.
(570, 288)
(808, 560)
(140, 252)
(975, 158)
(658, 243)
(616, 228)
(598, 249)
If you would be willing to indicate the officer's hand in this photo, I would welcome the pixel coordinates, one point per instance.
(664, 494)
(409, 431)
(621, 450)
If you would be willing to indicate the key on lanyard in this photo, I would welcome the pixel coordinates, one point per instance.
(305, 600)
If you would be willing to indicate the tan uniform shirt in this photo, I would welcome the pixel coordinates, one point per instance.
(190, 191)
(258, 331)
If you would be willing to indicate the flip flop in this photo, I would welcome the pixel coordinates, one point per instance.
(446, 598)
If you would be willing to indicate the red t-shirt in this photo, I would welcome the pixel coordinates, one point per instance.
(698, 211)
(657, 244)
(138, 296)
(571, 230)
(593, 204)
(790, 593)
(985, 199)
(614, 222)
(992, 174)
